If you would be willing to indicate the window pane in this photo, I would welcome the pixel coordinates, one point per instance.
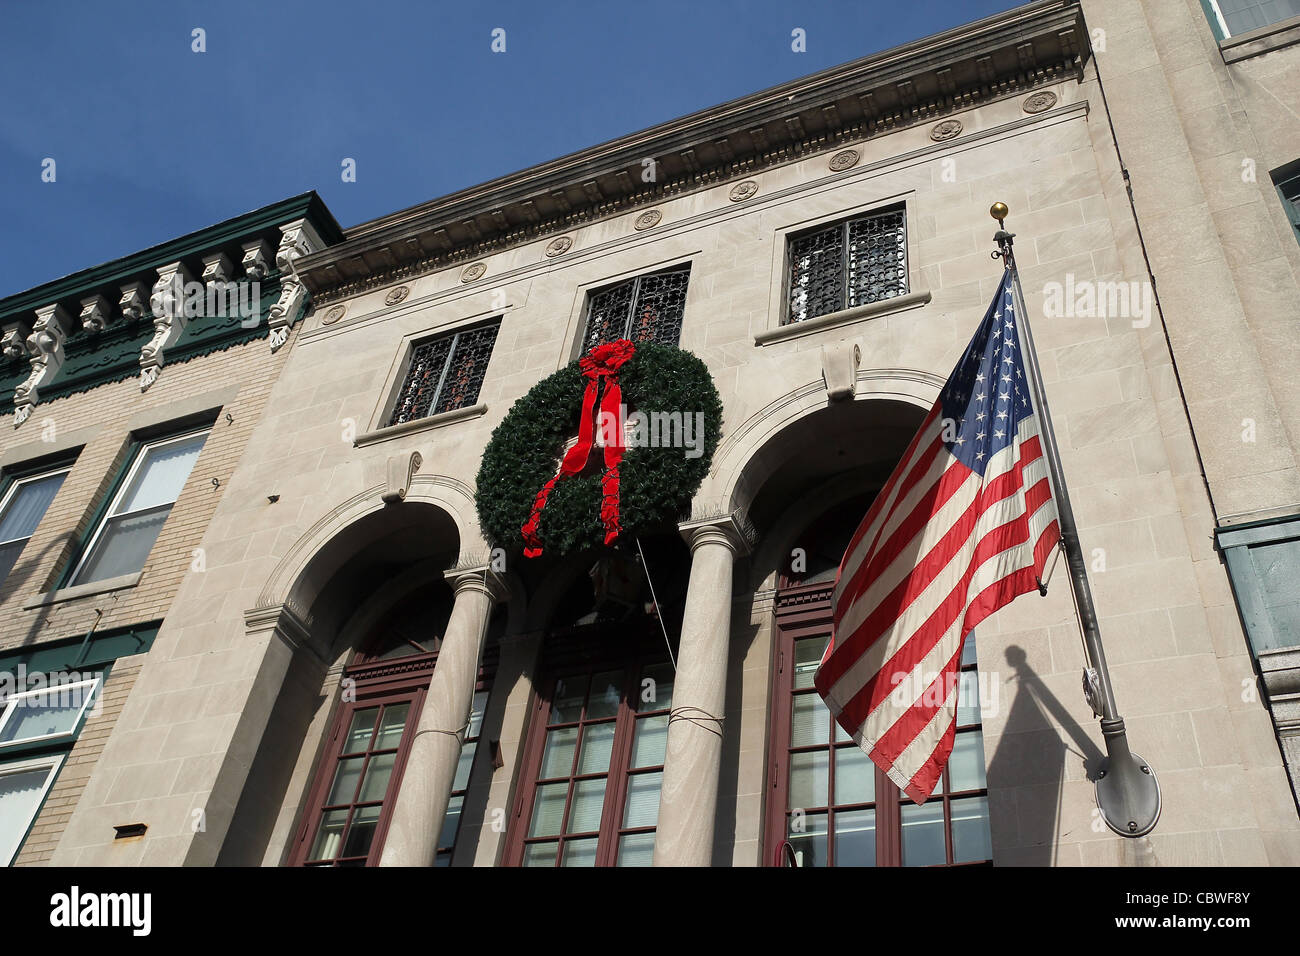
(557, 758)
(659, 307)
(807, 658)
(966, 764)
(464, 378)
(20, 792)
(161, 475)
(476, 713)
(1277, 569)
(636, 849)
(655, 690)
(569, 695)
(816, 274)
(607, 312)
(328, 835)
(807, 834)
(579, 852)
(540, 854)
(9, 556)
(588, 802)
(811, 721)
(463, 766)
(968, 650)
(643, 799)
(451, 822)
(124, 546)
(809, 773)
(597, 745)
(27, 505)
(923, 843)
(606, 692)
(390, 731)
(41, 715)
(359, 731)
(855, 776)
(650, 741)
(970, 830)
(428, 360)
(346, 777)
(377, 776)
(968, 698)
(548, 809)
(855, 838)
(362, 832)
(877, 258)
(1243, 16)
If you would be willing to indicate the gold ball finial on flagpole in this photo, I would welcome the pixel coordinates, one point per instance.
(999, 211)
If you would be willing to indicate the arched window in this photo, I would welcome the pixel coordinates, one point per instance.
(350, 801)
(824, 796)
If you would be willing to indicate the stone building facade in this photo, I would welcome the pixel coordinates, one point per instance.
(128, 392)
(356, 677)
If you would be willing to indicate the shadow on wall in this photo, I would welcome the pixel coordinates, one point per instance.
(1027, 773)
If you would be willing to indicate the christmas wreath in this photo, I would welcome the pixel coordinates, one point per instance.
(647, 419)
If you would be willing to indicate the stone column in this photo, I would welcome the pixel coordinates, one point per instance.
(688, 801)
(421, 803)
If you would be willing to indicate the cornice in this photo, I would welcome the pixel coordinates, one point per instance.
(107, 279)
(990, 59)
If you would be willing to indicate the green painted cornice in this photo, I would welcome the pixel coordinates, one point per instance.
(141, 266)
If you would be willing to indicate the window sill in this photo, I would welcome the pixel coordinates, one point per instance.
(419, 425)
(83, 590)
(1275, 36)
(834, 320)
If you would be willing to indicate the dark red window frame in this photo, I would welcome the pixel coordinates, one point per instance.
(803, 611)
(377, 682)
(571, 652)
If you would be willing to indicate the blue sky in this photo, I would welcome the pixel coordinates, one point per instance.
(151, 140)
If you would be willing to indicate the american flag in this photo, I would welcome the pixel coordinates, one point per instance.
(961, 528)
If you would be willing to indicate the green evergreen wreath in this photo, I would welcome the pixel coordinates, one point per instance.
(656, 483)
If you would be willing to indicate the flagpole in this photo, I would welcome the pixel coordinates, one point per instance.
(1128, 793)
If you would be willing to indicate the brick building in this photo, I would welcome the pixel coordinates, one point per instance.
(128, 393)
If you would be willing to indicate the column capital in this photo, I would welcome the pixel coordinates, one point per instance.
(731, 530)
(481, 578)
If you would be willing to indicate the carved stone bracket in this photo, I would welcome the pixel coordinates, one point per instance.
(95, 313)
(13, 340)
(216, 269)
(257, 259)
(298, 238)
(134, 303)
(401, 469)
(45, 349)
(840, 362)
(167, 302)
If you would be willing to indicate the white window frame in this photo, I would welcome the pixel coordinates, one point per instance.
(55, 763)
(10, 705)
(1218, 15)
(12, 492)
(109, 514)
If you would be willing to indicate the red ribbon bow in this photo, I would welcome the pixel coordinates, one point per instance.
(600, 364)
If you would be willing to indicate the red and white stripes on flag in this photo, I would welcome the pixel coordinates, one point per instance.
(963, 526)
